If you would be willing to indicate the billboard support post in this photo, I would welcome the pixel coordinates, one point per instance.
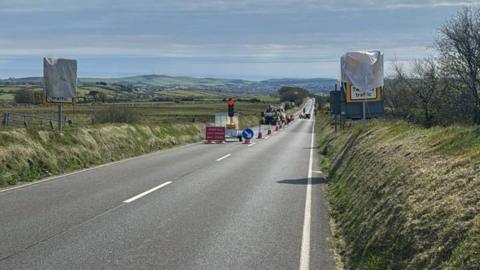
(59, 117)
(364, 105)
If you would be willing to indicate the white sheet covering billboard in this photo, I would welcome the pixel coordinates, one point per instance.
(364, 70)
(60, 79)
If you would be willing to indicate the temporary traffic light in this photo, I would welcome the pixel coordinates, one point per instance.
(231, 109)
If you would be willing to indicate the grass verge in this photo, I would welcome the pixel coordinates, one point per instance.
(27, 155)
(404, 197)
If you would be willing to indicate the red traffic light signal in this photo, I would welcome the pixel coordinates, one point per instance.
(231, 109)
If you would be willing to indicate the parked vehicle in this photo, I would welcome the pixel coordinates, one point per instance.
(274, 114)
(305, 116)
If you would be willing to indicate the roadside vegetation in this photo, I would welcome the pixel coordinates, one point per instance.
(30, 154)
(402, 196)
(106, 133)
(444, 88)
(99, 131)
(404, 192)
(133, 112)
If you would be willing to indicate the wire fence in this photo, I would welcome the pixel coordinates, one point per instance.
(19, 120)
(50, 121)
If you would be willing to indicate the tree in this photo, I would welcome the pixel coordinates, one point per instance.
(425, 73)
(23, 96)
(28, 96)
(459, 46)
(398, 95)
(93, 94)
(293, 94)
(102, 96)
(417, 91)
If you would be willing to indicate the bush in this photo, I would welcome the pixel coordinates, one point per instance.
(28, 96)
(293, 94)
(115, 114)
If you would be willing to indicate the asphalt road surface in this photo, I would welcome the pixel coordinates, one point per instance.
(225, 206)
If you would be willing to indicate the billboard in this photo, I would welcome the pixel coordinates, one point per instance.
(354, 110)
(361, 86)
(362, 76)
(60, 80)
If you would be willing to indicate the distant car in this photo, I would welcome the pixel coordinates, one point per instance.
(307, 116)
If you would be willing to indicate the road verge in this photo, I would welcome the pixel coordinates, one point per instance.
(403, 197)
(28, 155)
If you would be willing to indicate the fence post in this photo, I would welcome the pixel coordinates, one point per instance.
(25, 121)
(5, 119)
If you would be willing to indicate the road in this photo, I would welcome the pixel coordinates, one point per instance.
(225, 206)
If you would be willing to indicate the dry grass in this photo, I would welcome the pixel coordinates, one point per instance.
(26, 155)
(405, 197)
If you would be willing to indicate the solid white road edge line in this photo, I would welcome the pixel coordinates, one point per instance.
(224, 157)
(305, 252)
(147, 192)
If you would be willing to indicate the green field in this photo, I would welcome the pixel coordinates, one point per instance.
(115, 93)
(102, 132)
(145, 113)
(178, 105)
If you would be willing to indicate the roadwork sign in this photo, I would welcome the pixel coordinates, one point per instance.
(355, 94)
(248, 134)
(215, 134)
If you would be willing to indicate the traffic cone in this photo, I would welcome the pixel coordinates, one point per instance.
(260, 135)
(269, 132)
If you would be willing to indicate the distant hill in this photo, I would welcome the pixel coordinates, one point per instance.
(26, 80)
(161, 82)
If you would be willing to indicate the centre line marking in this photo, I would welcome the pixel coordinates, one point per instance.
(147, 192)
(307, 220)
(252, 144)
(224, 157)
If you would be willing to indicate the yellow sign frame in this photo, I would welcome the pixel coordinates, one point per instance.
(348, 92)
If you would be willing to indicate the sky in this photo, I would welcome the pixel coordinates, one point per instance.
(244, 39)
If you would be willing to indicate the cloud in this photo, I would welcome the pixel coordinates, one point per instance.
(269, 36)
(230, 6)
(302, 50)
(432, 4)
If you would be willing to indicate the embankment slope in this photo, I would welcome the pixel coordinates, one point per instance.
(27, 155)
(404, 197)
